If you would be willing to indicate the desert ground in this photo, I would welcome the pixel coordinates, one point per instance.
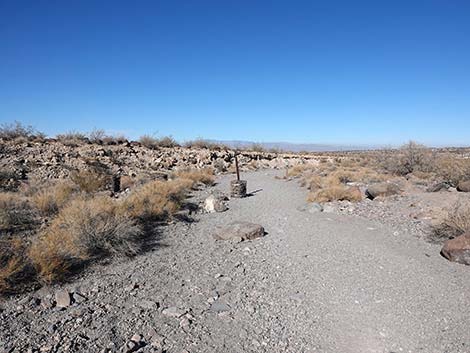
(331, 253)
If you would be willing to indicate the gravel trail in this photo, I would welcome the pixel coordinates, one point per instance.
(315, 283)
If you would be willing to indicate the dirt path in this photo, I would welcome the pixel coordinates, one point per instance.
(316, 283)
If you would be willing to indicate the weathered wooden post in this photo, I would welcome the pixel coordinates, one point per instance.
(237, 187)
(116, 183)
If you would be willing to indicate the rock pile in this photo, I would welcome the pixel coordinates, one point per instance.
(53, 159)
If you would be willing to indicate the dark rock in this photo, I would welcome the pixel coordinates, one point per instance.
(464, 186)
(382, 189)
(239, 230)
(444, 185)
(458, 249)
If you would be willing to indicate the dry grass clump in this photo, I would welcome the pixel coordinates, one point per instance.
(336, 193)
(85, 229)
(90, 181)
(205, 175)
(16, 213)
(15, 267)
(154, 142)
(49, 200)
(298, 170)
(157, 200)
(456, 222)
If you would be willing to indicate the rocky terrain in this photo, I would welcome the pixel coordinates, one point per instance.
(54, 159)
(315, 282)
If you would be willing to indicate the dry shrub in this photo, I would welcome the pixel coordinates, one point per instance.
(455, 223)
(157, 200)
(16, 213)
(312, 182)
(450, 168)
(298, 170)
(85, 229)
(73, 138)
(15, 267)
(205, 175)
(205, 144)
(336, 193)
(409, 158)
(48, 201)
(19, 132)
(90, 181)
(154, 142)
(9, 181)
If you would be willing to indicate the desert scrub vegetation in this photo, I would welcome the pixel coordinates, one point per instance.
(50, 199)
(204, 176)
(201, 143)
(15, 267)
(152, 142)
(16, 213)
(85, 229)
(73, 138)
(455, 222)
(19, 132)
(90, 181)
(83, 226)
(157, 200)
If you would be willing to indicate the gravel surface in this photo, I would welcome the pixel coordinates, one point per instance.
(317, 282)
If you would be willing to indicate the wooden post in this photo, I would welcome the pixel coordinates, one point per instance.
(237, 187)
(236, 168)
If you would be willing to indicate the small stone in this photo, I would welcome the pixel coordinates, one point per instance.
(184, 322)
(173, 312)
(219, 307)
(78, 298)
(62, 298)
(137, 338)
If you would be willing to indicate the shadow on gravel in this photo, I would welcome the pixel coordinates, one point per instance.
(252, 193)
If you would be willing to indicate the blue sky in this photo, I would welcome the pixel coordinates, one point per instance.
(369, 72)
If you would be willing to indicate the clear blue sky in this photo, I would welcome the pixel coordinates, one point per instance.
(299, 71)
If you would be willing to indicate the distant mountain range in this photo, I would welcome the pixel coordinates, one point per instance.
(297, 147)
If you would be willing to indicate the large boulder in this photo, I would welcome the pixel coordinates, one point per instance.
(382, 189)
(464, 186)
(239, 231)
(457, 249)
